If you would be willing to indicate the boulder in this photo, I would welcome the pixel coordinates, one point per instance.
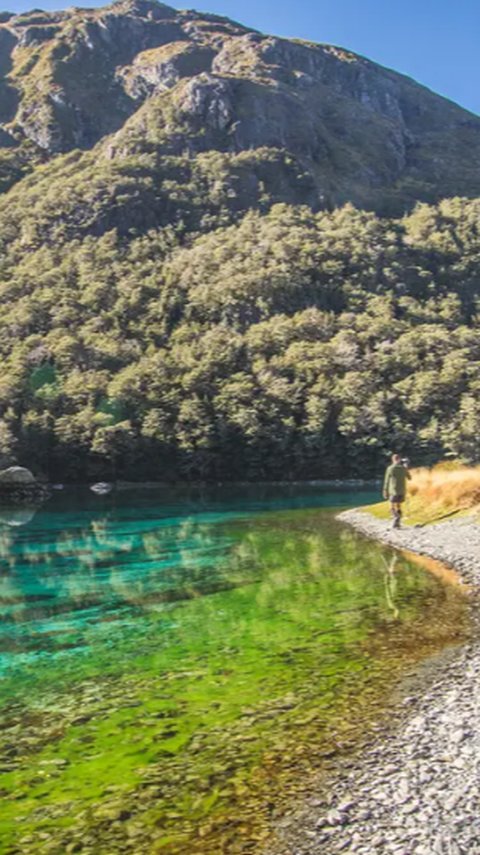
(18, 486)
(16, 475)
(102, 488)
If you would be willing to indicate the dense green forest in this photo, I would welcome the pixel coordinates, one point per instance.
(206, 269)
(280, 344)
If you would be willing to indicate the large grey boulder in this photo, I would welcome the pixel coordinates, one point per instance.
(18, 486)
(16, 475)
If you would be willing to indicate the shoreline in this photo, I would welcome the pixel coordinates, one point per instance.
(414, 788)
(36, 495)
(455, 543)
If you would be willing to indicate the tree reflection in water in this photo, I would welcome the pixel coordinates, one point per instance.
(192, 646)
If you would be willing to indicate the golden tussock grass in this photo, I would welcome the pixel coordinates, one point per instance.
(442, 491)
(455, 489)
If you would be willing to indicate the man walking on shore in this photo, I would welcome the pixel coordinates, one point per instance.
(395, 486)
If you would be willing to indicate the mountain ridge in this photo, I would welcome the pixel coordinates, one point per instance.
(83, 78)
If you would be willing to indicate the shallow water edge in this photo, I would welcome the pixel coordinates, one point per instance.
(412, 784)
(181, 673)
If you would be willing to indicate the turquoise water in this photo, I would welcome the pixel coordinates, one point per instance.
(83, 559)
(169, 658)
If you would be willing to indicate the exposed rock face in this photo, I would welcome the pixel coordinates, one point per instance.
(159, 69)
(358, 131)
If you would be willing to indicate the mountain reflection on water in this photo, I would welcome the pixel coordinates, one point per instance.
(183, 656)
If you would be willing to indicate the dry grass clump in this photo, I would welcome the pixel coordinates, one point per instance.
(446, 489)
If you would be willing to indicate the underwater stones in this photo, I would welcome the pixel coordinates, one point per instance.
(112, 833)
(109, 812)
(417, 793)
(82, 719)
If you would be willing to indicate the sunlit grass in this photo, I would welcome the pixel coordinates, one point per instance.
(444, 491)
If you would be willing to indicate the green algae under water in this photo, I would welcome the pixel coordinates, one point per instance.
(173, 665)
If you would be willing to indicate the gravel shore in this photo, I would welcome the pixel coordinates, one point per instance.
(415, 790)
(454, 542)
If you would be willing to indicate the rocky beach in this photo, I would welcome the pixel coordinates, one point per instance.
(414, 785)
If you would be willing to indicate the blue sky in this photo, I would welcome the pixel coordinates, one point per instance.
(434, 41)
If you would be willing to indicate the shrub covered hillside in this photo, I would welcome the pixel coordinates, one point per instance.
(225, 255)
(289, 344)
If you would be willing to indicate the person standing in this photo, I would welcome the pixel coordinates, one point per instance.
(395, 486)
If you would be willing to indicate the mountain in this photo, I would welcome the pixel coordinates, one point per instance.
(225, 255)
(293, 121)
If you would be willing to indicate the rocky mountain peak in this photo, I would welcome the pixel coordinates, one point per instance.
(143, 9)
(81, 78)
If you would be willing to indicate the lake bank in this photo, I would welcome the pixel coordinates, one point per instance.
(453, 542)
(413, 786)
